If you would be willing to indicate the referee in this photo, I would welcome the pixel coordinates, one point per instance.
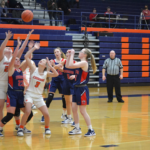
(112, 65)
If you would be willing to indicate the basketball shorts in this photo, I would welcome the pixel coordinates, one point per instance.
(54, 85)
(81, 95)
(68, 88)
(35, 99)
(15, 99)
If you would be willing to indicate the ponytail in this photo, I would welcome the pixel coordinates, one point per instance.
(90, 55)
(62, 54)
(93, 64)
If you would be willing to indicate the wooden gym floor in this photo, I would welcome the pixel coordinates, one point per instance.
(117, 126)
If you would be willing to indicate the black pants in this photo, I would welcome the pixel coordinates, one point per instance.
(113, 81)
(144, 23)
(54, 15)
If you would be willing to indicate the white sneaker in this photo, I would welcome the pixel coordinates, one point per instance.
(90, 133)
(33, 106)
(63, 117)
(20, 132)
(75, 131)
(25, 130)
(47, 131)
(67, 121)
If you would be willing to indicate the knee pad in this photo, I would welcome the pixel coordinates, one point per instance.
(30, 116)
(7, 118)
(17, 112)
(63, 101)
(49, 99)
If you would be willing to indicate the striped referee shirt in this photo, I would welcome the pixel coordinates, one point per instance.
(112, 65)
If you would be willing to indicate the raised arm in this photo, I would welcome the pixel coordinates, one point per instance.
(24, 44)
(72, 65)
(3, 45)
(31, 44)
(60, 66)
(28, 60)
(11, 65)
(53, 72)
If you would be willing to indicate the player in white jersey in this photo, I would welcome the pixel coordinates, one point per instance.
(26, 73)
(5, 58)
(36, 86)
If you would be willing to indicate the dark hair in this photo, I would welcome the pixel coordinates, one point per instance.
(108, 7)
(94, 8)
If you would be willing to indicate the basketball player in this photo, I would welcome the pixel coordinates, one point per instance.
(5, 58)
(81, 91)
(57, 82)
(68, 88)
(34, 92)
(26, 73)
(15, 95)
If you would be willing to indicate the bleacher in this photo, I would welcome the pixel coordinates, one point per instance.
(131, 48)
(49, 39)
(134, 53)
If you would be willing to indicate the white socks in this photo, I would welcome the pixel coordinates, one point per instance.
(77, 126)
(69, 116)
(90, 127)
(64, 112)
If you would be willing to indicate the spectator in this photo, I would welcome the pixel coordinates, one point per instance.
(3, 11)
(17, 14)
(14, 3)
(146, 16)
(64, 6)
(73, 2)
(92, 17)
(52, 5)
(107, 15)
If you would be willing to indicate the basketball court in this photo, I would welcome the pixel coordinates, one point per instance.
(118, 126)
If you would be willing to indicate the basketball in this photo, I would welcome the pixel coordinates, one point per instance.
(27, 16)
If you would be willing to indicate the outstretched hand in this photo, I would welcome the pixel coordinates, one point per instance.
(8, 34)
(31, 44)
(30, 32)
(48, 62)
(19, 41)
(37, 45)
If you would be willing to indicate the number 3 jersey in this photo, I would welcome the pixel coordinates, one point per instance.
(15, 82)
(37, 82)
(4, 63)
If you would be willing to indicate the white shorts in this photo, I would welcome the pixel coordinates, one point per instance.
(35, 99)
(3, 91)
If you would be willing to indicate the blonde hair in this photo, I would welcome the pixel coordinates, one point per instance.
(90, 55)
(62, 54)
